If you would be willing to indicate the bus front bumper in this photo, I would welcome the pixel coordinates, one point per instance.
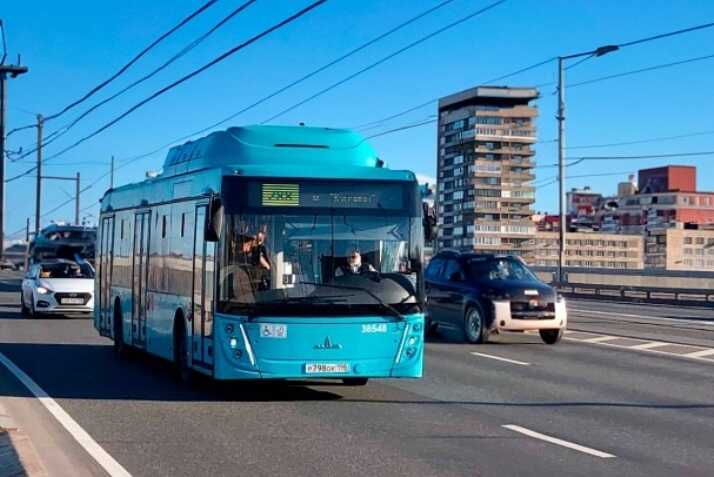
(318, 348)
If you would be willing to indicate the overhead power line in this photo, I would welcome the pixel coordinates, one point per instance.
(316, 71)
(385, 59)
(184, 51)
(577, 160)
(183, 79)
(642, 141)
(136, 58)
(434, 100)
(665, 35)
(641, 70)
(619, 46)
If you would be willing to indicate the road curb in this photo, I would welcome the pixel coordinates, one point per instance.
(18, 456)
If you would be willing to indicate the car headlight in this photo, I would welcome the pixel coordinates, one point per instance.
(43, 290)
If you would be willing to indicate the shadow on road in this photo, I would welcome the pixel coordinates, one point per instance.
(73, 371)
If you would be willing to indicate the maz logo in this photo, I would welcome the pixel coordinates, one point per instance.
(328, 345)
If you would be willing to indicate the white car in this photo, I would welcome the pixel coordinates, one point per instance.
(58, 286)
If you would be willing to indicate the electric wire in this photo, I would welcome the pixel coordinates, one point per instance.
(384, 59)
(181, 80)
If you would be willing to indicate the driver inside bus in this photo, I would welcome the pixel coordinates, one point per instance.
(355, 265)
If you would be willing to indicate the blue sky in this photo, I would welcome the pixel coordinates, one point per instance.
(71, 46)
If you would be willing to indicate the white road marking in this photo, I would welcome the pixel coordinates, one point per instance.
(700, 353)
(600, 339)
(697, 355)
(106, 461)
(560, 442)
(512, 361)
(650, 345)
(684, 321)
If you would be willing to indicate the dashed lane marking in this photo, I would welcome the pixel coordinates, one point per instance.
(106, 461)
(499, 358)
(559, 442)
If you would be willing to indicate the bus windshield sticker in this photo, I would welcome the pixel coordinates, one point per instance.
(269, 330)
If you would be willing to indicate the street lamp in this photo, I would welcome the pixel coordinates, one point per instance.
(603, 50)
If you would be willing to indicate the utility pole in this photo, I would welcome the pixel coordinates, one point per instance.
(603, 50)
(13, 71)
(76, 201)
(561, 168)
(27, 230)
(38, 186)
(111, 173)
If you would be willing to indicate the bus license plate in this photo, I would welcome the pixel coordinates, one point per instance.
(72, 301)
(320, 368)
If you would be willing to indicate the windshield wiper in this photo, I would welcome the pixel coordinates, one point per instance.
(314, 299)
(381, 302)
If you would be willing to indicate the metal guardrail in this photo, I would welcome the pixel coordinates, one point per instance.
(701, 296)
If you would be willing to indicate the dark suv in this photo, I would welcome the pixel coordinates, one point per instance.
(487, 293)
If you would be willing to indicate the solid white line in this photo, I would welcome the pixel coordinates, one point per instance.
(560, 442)
(683, 321)
(512, 361)
(106, 461)
(700, 354)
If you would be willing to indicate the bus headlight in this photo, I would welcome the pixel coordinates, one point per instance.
(233, 342)
(229, 329)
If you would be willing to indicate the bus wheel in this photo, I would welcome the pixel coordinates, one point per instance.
(120, 347)
(355, 381)
(183, 371)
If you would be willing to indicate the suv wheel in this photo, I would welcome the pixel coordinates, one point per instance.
(475, 326)
(551, 337)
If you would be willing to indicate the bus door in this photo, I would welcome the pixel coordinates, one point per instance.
(203, 280)
(142, 221)
(106, 261)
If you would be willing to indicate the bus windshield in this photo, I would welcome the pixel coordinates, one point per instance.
(337, 261)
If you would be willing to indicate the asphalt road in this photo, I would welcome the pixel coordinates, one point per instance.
(631, 381)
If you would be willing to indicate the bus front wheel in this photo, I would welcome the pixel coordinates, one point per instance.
(355, 381)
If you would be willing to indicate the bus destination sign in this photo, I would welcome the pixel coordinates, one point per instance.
(348, 196)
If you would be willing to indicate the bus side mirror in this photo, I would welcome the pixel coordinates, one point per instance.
(214, 219)
(428, 221)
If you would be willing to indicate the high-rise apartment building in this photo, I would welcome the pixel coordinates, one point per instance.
(485, 169)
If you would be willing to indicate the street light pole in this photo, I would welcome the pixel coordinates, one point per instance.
(603, 50)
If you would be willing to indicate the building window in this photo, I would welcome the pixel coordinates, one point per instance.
(163, 226)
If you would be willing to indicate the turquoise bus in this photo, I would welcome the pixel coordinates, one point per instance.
(267, 252)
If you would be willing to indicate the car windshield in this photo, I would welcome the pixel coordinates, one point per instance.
(319, 260)
(506, 268)
(66, 270)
